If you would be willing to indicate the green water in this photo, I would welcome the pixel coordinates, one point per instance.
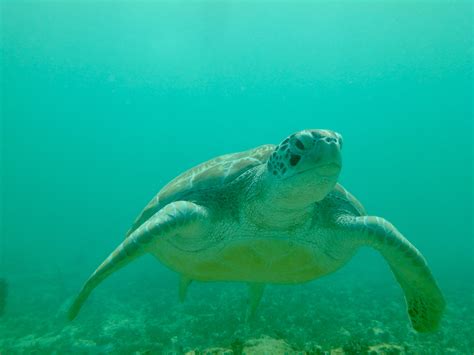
(103, 102)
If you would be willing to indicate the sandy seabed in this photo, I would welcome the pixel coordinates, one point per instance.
(328, 316)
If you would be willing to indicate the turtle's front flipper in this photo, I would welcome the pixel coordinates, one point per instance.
(255, 296)
(425, 302)
(173, 218)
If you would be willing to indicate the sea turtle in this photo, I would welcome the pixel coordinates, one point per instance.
(272, 214)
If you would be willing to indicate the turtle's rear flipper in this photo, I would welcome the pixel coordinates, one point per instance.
(184, 283)
(255, 296)
(3, 295)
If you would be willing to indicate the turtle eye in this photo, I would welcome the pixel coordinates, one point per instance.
(299, 144)
(302, 142)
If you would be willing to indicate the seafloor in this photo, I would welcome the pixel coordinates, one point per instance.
(333, 315)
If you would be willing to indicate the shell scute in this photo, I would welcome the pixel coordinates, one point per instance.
(210, 174)
(355, 206)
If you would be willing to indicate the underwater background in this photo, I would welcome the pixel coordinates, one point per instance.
(103, 102)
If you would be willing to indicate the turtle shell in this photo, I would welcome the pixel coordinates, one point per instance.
(213, 173)
(345, 197)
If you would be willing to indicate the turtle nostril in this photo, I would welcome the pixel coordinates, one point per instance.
(329, 140)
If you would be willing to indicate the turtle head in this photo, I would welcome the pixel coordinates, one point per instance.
(305, 167)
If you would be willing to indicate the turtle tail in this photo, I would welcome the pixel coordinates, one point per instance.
(121, 256)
